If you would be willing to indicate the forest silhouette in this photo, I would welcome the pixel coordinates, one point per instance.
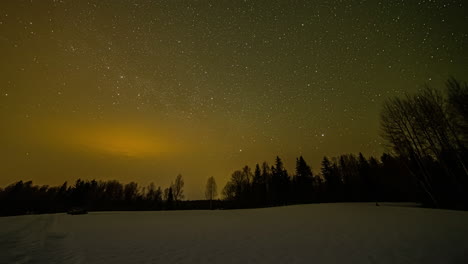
(425, 161)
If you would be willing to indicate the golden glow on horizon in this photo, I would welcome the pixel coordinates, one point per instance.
(129, 143)
(129, 139)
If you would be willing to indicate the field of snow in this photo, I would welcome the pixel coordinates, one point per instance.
(321, 233)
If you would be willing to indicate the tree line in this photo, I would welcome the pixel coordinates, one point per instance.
(346, 178)
(26, 198)
(426, 161)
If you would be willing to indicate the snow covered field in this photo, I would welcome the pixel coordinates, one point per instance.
(321, 233)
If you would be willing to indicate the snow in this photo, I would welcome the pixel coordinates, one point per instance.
(319, 233)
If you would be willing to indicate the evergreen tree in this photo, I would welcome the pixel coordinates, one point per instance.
(259, 187)
(364, 172)
(304, 181)
(333, 180)
(280, 182)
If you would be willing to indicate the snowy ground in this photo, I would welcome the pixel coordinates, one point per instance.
(322, 233)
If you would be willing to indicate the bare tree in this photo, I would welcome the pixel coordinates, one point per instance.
(229, 191)
(421, 128)
(130, 191)
(211, 190)
(166, 194)
(458, 108)
(150, 193)
(399, 126)
(178, 188)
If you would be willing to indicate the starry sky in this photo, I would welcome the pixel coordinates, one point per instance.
(144, 90)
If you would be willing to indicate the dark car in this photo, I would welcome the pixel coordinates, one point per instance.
(77, 211)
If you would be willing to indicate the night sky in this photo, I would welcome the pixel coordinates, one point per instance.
(144, 90)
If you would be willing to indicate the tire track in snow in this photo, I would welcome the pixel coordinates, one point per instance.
(37, 239)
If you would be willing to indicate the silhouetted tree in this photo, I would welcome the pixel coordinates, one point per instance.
(178, 188)
(333, 180)
(154, 196)
(170, 199)
(238, 187)
(229, 191)
(280, 182)
(366, 178)
(424, 131)
(259, 187)
(303, 181)
(266, 175)
(211, 190)
(457, 93)
(130, 191)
